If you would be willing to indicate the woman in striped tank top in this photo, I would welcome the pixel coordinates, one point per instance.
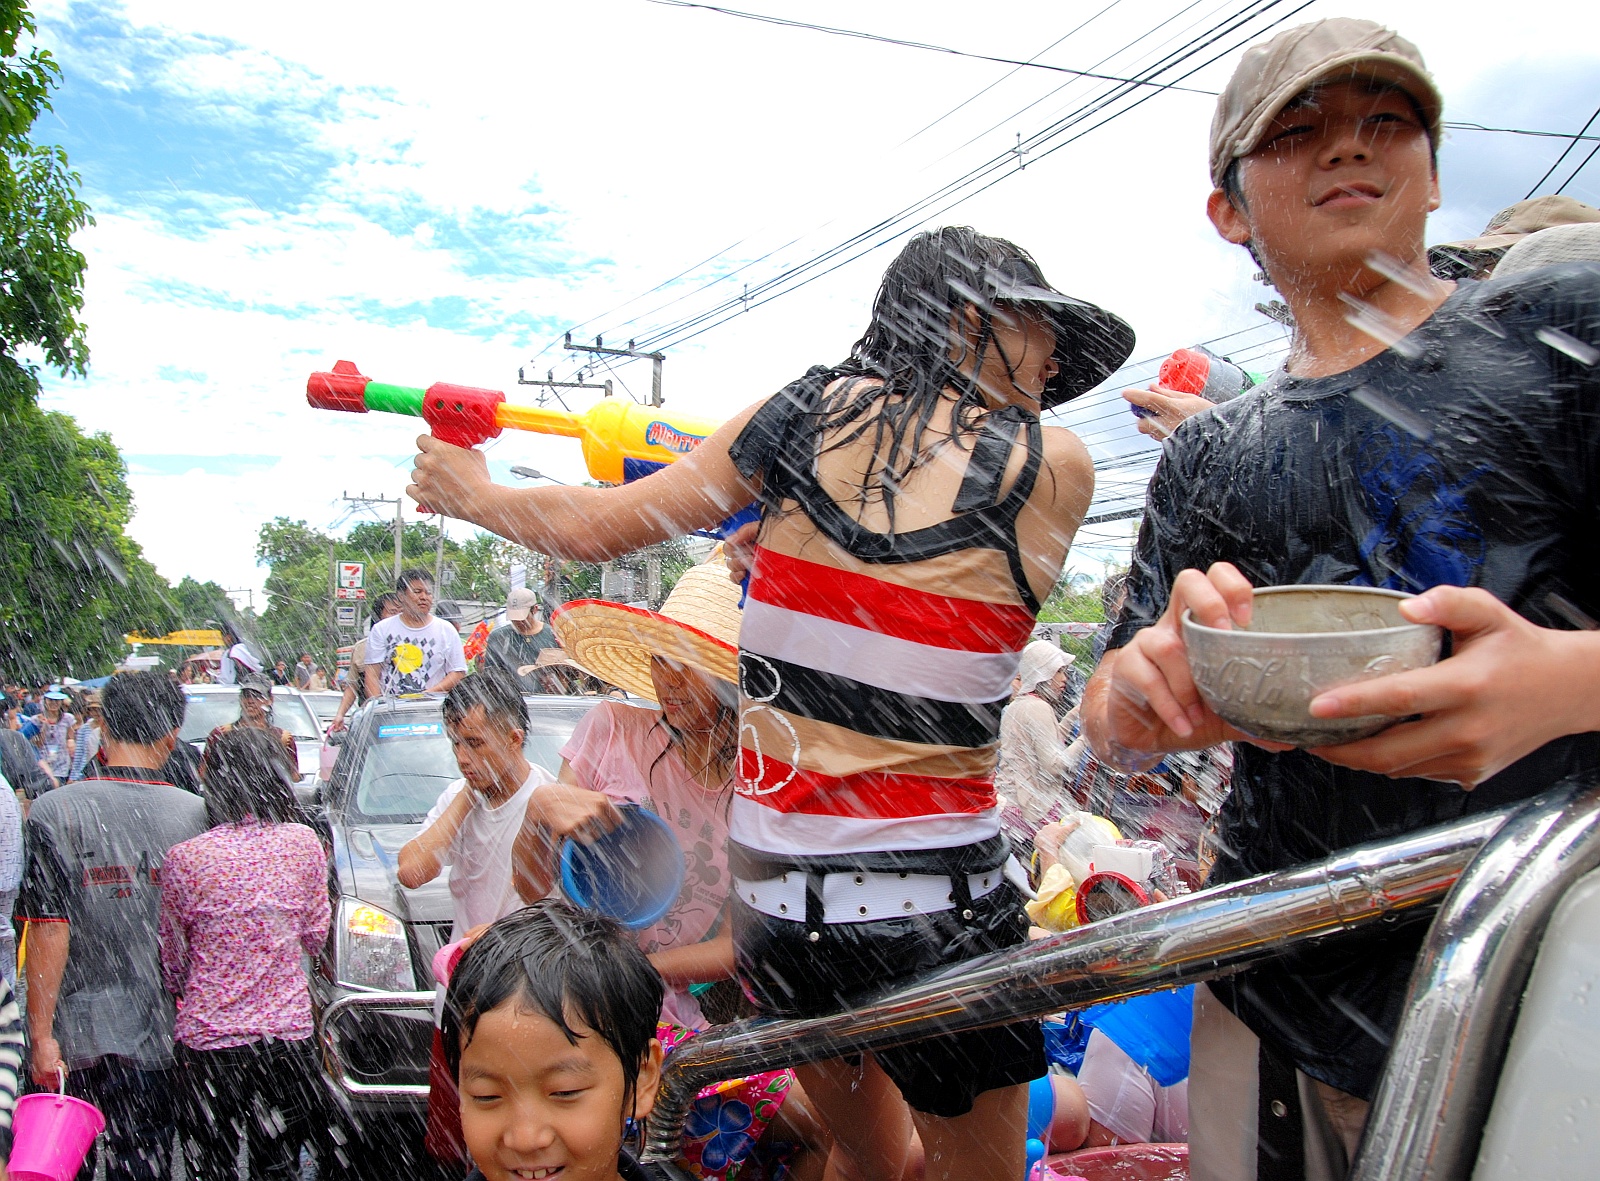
(915, 512)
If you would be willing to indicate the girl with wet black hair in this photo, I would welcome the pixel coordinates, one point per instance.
(240, 904)
(915, 512)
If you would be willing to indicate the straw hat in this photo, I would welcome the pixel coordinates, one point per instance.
(698, 625)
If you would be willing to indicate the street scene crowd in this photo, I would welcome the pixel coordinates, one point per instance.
(870, 761)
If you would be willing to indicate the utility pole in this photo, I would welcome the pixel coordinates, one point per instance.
(438, 562)
(599, 348)
(399, 522)
(333, 585)
(550, 383)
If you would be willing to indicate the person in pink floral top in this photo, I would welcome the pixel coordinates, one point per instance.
(239, 904)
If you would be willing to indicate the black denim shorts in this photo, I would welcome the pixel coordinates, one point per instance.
(787, 974)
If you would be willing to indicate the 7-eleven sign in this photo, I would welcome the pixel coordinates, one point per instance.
(352, 575)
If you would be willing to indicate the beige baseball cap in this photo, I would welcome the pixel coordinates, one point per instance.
(521, 603)
(1515, 222)
(1274, 73)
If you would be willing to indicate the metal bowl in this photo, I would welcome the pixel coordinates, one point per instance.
(1301, 641)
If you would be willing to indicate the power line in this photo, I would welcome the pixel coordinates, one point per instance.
(743, 301)
(766, 288)
(1564, 152)
(907, 219)
(860, 36)
(1592, 152)
(1524, 131)
(1010, 73)
(746, 304)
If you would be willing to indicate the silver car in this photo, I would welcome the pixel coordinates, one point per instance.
(210, 706)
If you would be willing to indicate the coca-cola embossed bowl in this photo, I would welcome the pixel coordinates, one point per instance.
(1301, 641)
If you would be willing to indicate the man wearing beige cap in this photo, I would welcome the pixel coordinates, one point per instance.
(1476, 258)
(518, 647)
(1425, 436)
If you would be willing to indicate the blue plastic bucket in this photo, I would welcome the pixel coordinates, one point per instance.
(1152, 1029)
(632, 874)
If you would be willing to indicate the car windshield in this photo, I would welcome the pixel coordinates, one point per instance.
(207, 711)
(409, 762)
(324, 705)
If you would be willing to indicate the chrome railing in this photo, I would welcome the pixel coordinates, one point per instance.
(1201, 936)
(1428, 1115)
(332, 1051)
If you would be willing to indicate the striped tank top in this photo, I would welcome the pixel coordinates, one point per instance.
(874, 667)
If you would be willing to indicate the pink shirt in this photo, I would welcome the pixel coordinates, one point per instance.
(239, 904)
(624, 752)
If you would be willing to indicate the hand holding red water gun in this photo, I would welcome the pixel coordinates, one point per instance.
(1191, 380)
(622, 443)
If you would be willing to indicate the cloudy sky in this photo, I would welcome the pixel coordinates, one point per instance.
(438, 192)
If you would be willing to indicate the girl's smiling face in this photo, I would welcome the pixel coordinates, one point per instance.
(536, 1107)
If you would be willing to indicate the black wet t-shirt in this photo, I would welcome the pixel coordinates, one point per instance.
(1468, 455)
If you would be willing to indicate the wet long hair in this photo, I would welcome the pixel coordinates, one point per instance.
(245, 779)
(906, 354)
(573, 966)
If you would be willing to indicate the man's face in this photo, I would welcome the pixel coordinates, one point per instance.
(529, 625)
(281, 665)
(487, 751)
(1343, 173)
(418, 597)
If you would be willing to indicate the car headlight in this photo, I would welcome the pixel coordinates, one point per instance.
(372, 949)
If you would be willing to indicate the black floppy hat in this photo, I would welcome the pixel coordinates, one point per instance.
(1090, 341)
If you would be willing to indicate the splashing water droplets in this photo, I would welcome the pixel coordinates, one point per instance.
(1380, 326)
(1580, 351)
(1412, 278)
(1406, 419)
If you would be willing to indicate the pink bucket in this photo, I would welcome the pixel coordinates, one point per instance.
(50, 1136)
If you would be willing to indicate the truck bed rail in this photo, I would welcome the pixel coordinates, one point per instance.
(1201, 936)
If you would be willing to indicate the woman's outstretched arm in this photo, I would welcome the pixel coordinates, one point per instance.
(587, 524)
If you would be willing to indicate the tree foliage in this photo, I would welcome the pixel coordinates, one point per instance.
(41, 274)
(299, 559)
(72, 582)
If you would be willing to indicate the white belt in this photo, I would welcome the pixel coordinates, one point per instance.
(864, 896)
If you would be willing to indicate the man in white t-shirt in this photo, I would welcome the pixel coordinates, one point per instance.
(413, 652)
(472, 829)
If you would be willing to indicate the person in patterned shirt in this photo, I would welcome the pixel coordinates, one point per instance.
(239, 905)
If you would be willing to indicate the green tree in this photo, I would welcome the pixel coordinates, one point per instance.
(41, 274)
(1075, 600)
(72, 581)
(298, 614)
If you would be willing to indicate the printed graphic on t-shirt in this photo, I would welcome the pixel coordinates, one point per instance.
(1425, 532)
(407, 661)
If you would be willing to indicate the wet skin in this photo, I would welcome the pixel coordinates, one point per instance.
(536, 1107)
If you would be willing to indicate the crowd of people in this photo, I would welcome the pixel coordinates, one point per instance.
(1426, 433)
(873, 768)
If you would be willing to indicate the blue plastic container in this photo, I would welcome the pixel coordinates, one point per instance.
(1041, 1108)
(1152, 1029)
(632, 874)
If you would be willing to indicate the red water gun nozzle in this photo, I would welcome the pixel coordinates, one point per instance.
(345, 388)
